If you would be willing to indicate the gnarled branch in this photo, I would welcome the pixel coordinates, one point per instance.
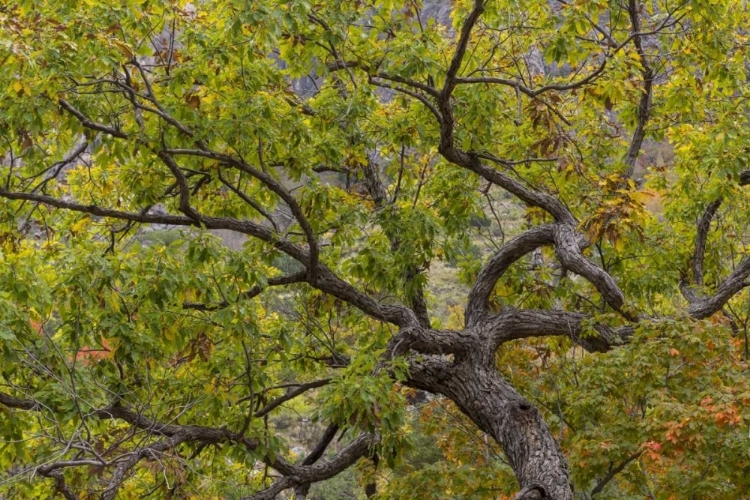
(568, 245)
(512, 251)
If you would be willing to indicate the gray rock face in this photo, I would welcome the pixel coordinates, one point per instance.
(439, 10)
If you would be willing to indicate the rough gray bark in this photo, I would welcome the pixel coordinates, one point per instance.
(495, 406)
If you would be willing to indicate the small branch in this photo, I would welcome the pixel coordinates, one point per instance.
(533, 93)
(46, 469)
(432, 91)
(58, 166)
(300, 277)
(91, 124)
(160, 111)
(376, 81)
(153, 451)
(290, 394)
(276, 187)
(612, 472)
(244, 197)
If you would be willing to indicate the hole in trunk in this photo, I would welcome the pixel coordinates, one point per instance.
(524, 406)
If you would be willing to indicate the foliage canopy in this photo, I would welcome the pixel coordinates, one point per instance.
(576, 166)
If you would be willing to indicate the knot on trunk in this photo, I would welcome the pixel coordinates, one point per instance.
(532, 492)
(523, 410)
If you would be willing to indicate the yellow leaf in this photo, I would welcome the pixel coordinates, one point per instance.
(79, 226)
(171, 332)
(619, 244)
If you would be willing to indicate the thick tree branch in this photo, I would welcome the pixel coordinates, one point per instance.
(21, 404)
(205, 435)
(463, 43)
(516, 248)
(701, 306)
(307, 474)
(704, 225)
(320, 448)
(513, 324)
(244, 227)
(568, 245)
(60, 484)
(644, 103)
(531, 197)
(333, 285)
(469, 161)
(327, 281)
(705, 307)
(430, 341)
(182, 185)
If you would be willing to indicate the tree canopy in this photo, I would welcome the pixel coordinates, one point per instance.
(222, 220)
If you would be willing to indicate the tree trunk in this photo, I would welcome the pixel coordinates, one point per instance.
(495, 406)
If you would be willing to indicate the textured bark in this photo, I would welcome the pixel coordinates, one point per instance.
(519, 246)
(495, 407)
(568, 245)
(704, 225)
(735, 282)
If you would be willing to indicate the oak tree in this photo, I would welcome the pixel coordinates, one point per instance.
(575, 168)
